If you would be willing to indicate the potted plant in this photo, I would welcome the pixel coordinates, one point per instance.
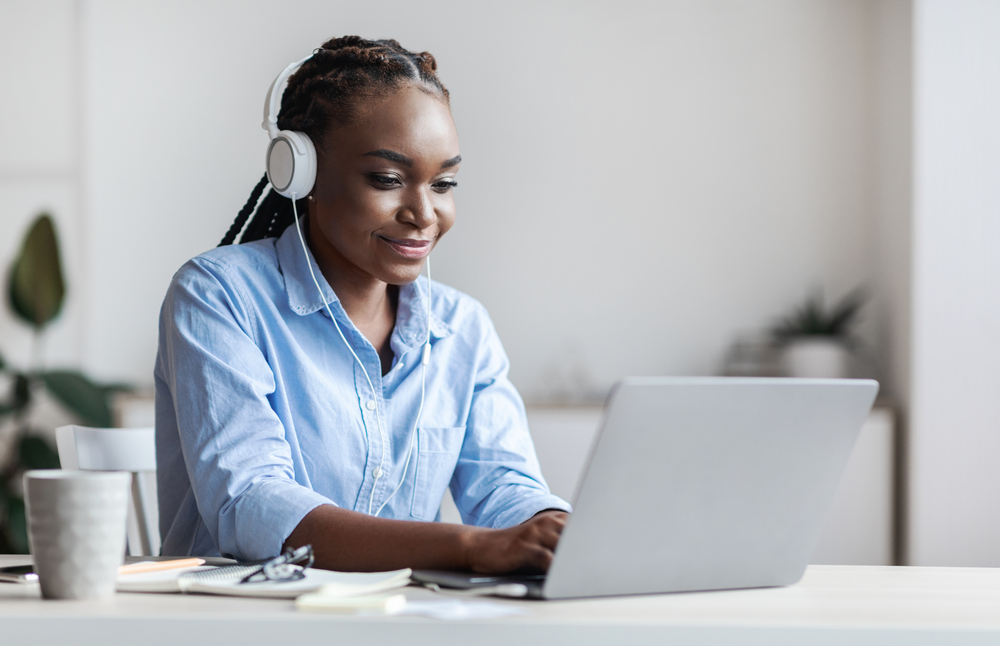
(35, 293)
(817, 342)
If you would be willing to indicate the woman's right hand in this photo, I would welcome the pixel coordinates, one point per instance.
(528, 545)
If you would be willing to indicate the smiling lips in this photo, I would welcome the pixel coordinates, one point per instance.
(409, 248)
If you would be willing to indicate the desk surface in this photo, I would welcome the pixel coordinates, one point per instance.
(831, 605)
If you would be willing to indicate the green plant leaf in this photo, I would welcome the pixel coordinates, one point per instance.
(20, 395)
(17, 526)
(111, 389)
(36, 287)
(846, 311)
(22, 391)
(814, 319)
(82, 396)
(36, 453)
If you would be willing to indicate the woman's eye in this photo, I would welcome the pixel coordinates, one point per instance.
(445, 185)
(386, 181)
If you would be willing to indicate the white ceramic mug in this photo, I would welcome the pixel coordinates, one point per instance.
(76, 528)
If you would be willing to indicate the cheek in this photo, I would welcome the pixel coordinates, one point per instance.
(358, 197)
(363, 210)
(446, 217)
(381, 205)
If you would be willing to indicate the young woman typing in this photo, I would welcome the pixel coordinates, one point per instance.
(312, 387)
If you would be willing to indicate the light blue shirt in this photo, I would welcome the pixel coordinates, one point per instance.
(262, 414)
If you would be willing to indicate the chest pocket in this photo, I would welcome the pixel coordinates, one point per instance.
(437, 455)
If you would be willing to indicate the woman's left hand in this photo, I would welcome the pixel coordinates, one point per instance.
(528, 545)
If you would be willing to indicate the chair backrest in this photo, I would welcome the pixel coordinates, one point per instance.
(119, 449)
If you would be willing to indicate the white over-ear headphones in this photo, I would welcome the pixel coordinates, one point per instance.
(291, 156)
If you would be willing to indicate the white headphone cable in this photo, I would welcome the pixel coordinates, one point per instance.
(425, 359)
(378, 416)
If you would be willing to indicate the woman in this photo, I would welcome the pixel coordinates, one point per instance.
(295, 403)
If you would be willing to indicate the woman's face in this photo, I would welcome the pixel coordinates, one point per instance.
(383, 194)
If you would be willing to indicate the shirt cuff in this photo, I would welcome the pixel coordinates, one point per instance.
(267, 514)
(528, 507)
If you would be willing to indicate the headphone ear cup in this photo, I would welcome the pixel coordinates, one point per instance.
(291, 164)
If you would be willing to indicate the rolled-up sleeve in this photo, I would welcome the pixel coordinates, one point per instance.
(232, 442)
(498, 481)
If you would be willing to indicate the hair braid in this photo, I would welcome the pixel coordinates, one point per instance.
(325, 93)
(267, 212)
(283, 217)
(245, 212)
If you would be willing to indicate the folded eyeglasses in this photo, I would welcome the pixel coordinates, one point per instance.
(289, 566)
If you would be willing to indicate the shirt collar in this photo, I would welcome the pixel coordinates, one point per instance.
(295, 263)
(411, 315)
(303, 298)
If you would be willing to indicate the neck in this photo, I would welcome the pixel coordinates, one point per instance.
(366, 302)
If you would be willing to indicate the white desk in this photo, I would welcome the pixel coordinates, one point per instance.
(855, 605)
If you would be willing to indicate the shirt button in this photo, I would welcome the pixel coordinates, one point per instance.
(377, 472)
(370, 405)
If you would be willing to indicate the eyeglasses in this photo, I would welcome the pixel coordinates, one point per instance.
(289, 566)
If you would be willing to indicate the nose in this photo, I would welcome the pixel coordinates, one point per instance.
(419, 208)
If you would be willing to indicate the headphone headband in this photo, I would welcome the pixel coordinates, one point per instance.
(272, 104)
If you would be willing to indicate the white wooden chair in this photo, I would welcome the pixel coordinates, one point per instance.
(120, 449)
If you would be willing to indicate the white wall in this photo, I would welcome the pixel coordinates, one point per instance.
(893, 193)
(642, 180)
(39, 159)
(955, 423)
(893, 203)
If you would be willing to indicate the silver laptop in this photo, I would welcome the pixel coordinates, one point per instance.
(700, 483)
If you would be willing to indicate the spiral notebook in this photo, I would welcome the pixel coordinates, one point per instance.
(226, 580)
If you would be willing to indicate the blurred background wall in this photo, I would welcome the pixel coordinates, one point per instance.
(643, 183)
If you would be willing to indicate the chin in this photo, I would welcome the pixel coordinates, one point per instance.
(402, 276)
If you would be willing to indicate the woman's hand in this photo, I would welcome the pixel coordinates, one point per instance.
(528, 545)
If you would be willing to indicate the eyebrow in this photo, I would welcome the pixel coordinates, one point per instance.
(392, 156)
(400, 158)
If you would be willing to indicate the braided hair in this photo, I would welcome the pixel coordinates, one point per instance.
(325, 93)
